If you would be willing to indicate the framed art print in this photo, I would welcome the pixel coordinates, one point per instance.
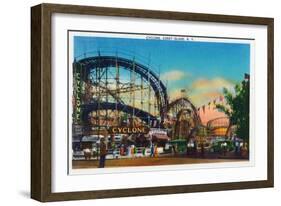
(137, 102)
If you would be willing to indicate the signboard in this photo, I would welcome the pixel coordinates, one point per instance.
(157, 131)
(77, 130)
(77, 93)
(128, 130)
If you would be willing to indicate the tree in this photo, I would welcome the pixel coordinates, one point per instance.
(237, 108)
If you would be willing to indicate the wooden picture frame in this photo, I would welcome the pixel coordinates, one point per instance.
(41, 98)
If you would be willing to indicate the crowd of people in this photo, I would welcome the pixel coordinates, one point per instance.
(101, 150)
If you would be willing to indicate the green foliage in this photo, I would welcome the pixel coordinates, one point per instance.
(238, 108)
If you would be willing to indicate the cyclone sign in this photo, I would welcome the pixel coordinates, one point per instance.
(128, 130)
(77, 95)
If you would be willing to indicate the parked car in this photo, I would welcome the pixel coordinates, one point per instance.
(217, 146)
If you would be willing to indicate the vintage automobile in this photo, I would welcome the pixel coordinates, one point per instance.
(219, 146)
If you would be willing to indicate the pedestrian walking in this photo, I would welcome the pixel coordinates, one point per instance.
(143, 151)
(129, 151)
(133, 151)
(244, 150)
(103, 153)
(155, 151)
(94, 151)
(122, 152)
(152, 150)
(237, 145)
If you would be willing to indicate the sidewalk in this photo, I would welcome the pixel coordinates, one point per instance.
(147, 161)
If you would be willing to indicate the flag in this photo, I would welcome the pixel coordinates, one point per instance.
(246, 76)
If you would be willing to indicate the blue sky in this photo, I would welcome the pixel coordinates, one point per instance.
(202, 68)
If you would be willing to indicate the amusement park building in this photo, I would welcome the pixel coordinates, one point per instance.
(217, 121)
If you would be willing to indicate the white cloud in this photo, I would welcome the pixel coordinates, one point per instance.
(204, 90)
(173, 75)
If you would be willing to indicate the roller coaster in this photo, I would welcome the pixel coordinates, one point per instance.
(114, 88)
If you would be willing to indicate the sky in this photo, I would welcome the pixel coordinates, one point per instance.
(201, 68)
